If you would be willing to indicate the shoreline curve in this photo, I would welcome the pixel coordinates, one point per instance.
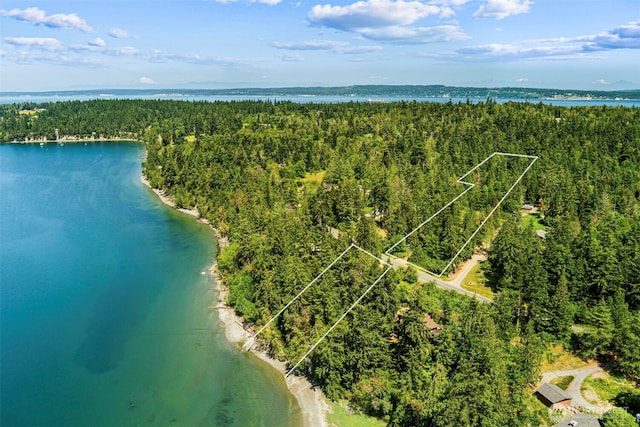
(311, 400)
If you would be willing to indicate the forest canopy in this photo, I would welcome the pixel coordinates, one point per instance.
(293, 185)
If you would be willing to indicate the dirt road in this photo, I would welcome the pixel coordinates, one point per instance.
(574, 388)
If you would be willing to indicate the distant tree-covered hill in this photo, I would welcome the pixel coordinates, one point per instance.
(383, 91)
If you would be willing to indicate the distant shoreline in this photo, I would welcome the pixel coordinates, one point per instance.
(625, 96)
(311, 401)
(434, 90)
(72, 140)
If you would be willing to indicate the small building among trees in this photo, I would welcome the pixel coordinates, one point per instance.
(553, 396)
(431, 324)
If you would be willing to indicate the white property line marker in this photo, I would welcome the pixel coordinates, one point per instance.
(253, 338)
(470, 186)
(382, 261)
(313, 347)
(249, 344)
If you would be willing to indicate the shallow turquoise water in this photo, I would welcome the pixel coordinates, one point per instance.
(104, 318)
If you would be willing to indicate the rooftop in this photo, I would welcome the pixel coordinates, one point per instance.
(553, 393)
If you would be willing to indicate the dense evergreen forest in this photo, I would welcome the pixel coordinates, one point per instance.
(293, 185)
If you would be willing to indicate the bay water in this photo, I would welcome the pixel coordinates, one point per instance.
(42, 97)
(104, 297)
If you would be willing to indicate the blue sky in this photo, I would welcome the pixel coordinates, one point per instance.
(575, 44)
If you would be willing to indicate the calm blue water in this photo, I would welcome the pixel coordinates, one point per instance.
(38, 98)
(104, 318)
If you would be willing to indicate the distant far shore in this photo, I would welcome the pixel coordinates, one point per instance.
(71, 140)
(623, 92)
(625, 96)
(311, 401)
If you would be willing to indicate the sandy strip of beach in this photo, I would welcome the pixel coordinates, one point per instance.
(311, 400)
(169, 202)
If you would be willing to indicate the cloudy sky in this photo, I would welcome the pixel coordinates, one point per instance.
(578, 44)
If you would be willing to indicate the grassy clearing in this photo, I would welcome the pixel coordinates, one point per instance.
(556, 358)
(605, 387)
(344, 416)
(313, 177)
(563, 382)
(403, 254)
(538, 409)
(475, 282)
(32, 112)
(533, 219)
(311, 183)
(381, 232)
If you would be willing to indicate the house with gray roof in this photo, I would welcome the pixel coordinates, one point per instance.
(553, 396)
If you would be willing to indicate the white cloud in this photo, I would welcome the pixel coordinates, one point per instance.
(95, 52)
(309, 45)
(371, 14)
(97, 42)
(452, 2)
(501, 9)
(414, 35)
(335, 46)
(295, 57)
(147, 81)
(630, 30)
(390, 21)
(522, 80)
(622, 37)
(159, 56)
(100, 46)
(119, 33)
(121, 51)
(38, 16)
(515, 51)
(33, 50)
(54, 58)
(358, 50)
(46, 43)
(96, 47)
(601, 82)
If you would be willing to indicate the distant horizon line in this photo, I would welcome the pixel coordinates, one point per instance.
(374, 93)
(312, 88)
